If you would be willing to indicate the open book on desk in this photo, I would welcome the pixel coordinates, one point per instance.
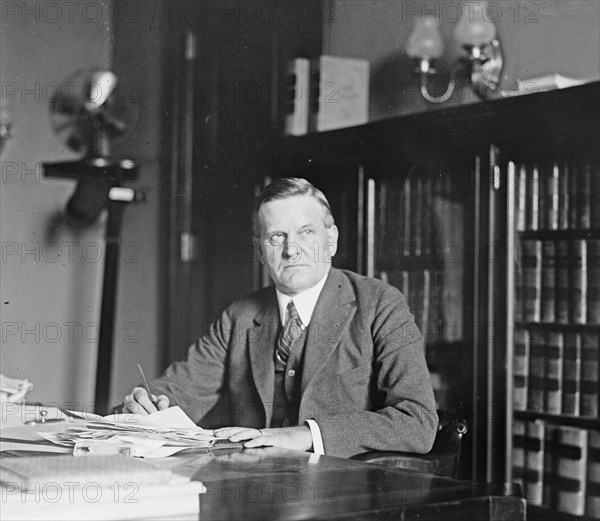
(93, 487)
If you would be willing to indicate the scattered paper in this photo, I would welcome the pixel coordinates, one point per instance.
(173, 418)
(156, 435)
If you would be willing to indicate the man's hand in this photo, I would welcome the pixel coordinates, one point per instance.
(138, 402)
(297, 438)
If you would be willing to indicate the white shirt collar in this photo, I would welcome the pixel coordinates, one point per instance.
(305, 302)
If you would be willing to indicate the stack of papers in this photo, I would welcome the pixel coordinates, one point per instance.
(157, 435)
(93, 488)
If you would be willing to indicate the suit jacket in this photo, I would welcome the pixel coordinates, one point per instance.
(364, 376)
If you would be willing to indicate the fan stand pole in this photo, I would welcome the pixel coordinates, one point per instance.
(107, 310)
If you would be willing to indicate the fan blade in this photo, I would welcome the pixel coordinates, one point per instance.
(115, 123)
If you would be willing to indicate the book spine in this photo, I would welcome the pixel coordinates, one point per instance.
(563, 197)
(417, 215)
(593, 282)
(533, 200)
(554, 372)
(297, 97)
(416, 297)
(534, 462)
(542, 175)
(570, 483)
(518, 453)
(428, 216)
(522, 199)
(573, 196)
(595, 193)
(391, 235)
(532, 279)
(583, 201)
(571, 374)
(426, 305)
(453, 269)
(407, 217)
(384, 229)
(520, 369)
(589, 374)
(592, 504)
(519, 290)
(550, 463)
(537, 366)
(435, 307)
(405, 283)
(548, 296)
(578, 281)
(562, 282)
(552, 198)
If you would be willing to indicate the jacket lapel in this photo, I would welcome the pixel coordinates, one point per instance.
(333, 312)
(261, 344)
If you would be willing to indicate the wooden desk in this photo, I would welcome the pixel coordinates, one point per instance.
(277, 484)
(269, 483)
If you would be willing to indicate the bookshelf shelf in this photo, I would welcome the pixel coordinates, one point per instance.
(506, 121)
(560, 234)
(558, 327)
(560, 419)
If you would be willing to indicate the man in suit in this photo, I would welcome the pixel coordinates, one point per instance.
(324, 360)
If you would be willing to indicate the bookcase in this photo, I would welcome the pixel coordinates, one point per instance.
(553, 326)
(487, 216)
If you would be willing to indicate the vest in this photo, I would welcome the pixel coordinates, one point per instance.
(286, 392)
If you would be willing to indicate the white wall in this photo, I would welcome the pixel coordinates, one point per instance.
(537, 38)
(50, 306)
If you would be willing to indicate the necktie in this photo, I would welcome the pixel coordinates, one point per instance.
(292, 330)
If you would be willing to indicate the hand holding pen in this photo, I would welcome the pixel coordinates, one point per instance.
(142, 401)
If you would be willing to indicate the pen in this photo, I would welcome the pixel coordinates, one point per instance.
(146, 386)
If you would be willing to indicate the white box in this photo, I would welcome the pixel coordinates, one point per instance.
(339, 92)
(297, 96)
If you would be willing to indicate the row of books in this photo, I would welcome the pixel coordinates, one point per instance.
(326, 93)
(418, 217)
(556, 372)
(558, 281)
(558, 466)
(562, 195)
(419, 248)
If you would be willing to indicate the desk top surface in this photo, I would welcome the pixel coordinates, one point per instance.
(271, 483)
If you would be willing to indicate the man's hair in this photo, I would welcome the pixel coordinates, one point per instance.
(290, 187)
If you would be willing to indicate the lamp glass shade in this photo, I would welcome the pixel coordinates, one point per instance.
(425, 41)
(474, 28)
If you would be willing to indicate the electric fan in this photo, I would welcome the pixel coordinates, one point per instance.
(88, 113)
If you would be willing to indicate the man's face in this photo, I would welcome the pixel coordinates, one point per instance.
(295, 246)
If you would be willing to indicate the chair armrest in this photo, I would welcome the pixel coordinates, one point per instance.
(441, 460)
